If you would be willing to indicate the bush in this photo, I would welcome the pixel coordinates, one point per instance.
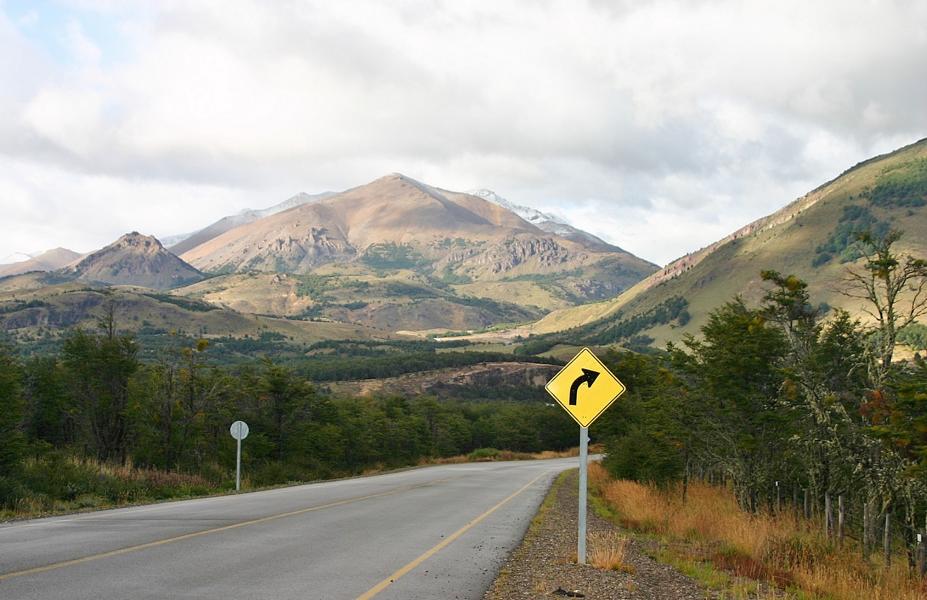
(11, 491)
(484, 455)
(276, 473)
(643, 457)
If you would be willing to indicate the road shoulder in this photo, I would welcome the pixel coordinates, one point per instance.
(543, 566)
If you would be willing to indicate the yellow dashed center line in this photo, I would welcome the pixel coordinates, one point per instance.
(196, 534)
(437, 548)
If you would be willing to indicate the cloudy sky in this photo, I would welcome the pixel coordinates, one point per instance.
(660, 126)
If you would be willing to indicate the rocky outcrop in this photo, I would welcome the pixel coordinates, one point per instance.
(513, 252)
(299, 253)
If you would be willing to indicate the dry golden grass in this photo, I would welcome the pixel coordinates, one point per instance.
(153, 477)
(780, 548)
(608, 551)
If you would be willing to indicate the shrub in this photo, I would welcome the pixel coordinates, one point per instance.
(483, 454)
(11, 491)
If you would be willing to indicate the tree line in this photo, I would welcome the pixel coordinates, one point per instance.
(97, 399)
(789, 405)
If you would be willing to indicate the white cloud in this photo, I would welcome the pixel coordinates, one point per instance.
(80, 46)
(46, 206)
(660, 126)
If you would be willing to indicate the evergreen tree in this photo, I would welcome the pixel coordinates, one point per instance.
(99, 368)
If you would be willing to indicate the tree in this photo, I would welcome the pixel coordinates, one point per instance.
(647, 432)
(904, 422)
(895, 290)
(286, 401)
(817, 391)
(734, 374)
(174, 403)
(100, 367)
(50, 414)
(12, 441)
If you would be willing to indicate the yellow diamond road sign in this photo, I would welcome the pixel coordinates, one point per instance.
(585, 387)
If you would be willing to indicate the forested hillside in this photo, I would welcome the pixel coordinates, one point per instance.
(792, 405)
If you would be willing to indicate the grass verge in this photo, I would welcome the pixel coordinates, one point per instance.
(709, 538)
(59, 483)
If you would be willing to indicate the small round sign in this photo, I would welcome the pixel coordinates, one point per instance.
(239, 430)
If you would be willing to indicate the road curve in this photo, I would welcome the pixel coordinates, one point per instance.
(432, 533)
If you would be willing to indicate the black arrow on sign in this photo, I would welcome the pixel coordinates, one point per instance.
(588, 377)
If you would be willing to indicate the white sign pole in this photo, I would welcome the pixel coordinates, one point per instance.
(239, 431)
(583, 465)
(238, 467)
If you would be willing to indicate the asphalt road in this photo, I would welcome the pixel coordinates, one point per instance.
(437, 533)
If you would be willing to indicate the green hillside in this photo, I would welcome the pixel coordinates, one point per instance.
(812, 238)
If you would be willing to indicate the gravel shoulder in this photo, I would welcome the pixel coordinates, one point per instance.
(543, 566)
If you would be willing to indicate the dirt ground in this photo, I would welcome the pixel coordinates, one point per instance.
(544, 565)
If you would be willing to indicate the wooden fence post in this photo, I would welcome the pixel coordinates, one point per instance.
(841, 516)
(887, 539)
(866, 529)
(921, 565)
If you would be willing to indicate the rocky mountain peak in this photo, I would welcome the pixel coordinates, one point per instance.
(135, 259)
(138, 242)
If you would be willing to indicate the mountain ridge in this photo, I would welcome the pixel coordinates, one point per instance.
(49, 260)
(809, 237)
(178, 244)
(398, 210)
(548, 222)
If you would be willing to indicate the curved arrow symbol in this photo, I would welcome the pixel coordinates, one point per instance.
(588, 377)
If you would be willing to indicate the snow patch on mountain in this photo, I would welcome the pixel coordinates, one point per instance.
(249, 215)
(547, 222)
(532, 215)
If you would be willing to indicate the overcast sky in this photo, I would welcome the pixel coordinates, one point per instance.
(659, 126)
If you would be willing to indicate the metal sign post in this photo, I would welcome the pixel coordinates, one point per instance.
(584, 388)
(238, 465)
(239, 431)
(583, 467)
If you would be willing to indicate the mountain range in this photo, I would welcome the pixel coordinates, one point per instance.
(395, 254)
(400, 257)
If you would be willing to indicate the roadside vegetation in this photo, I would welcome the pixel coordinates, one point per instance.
(95, 426)
(709, 537)
(494, 454)
(786, 445)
